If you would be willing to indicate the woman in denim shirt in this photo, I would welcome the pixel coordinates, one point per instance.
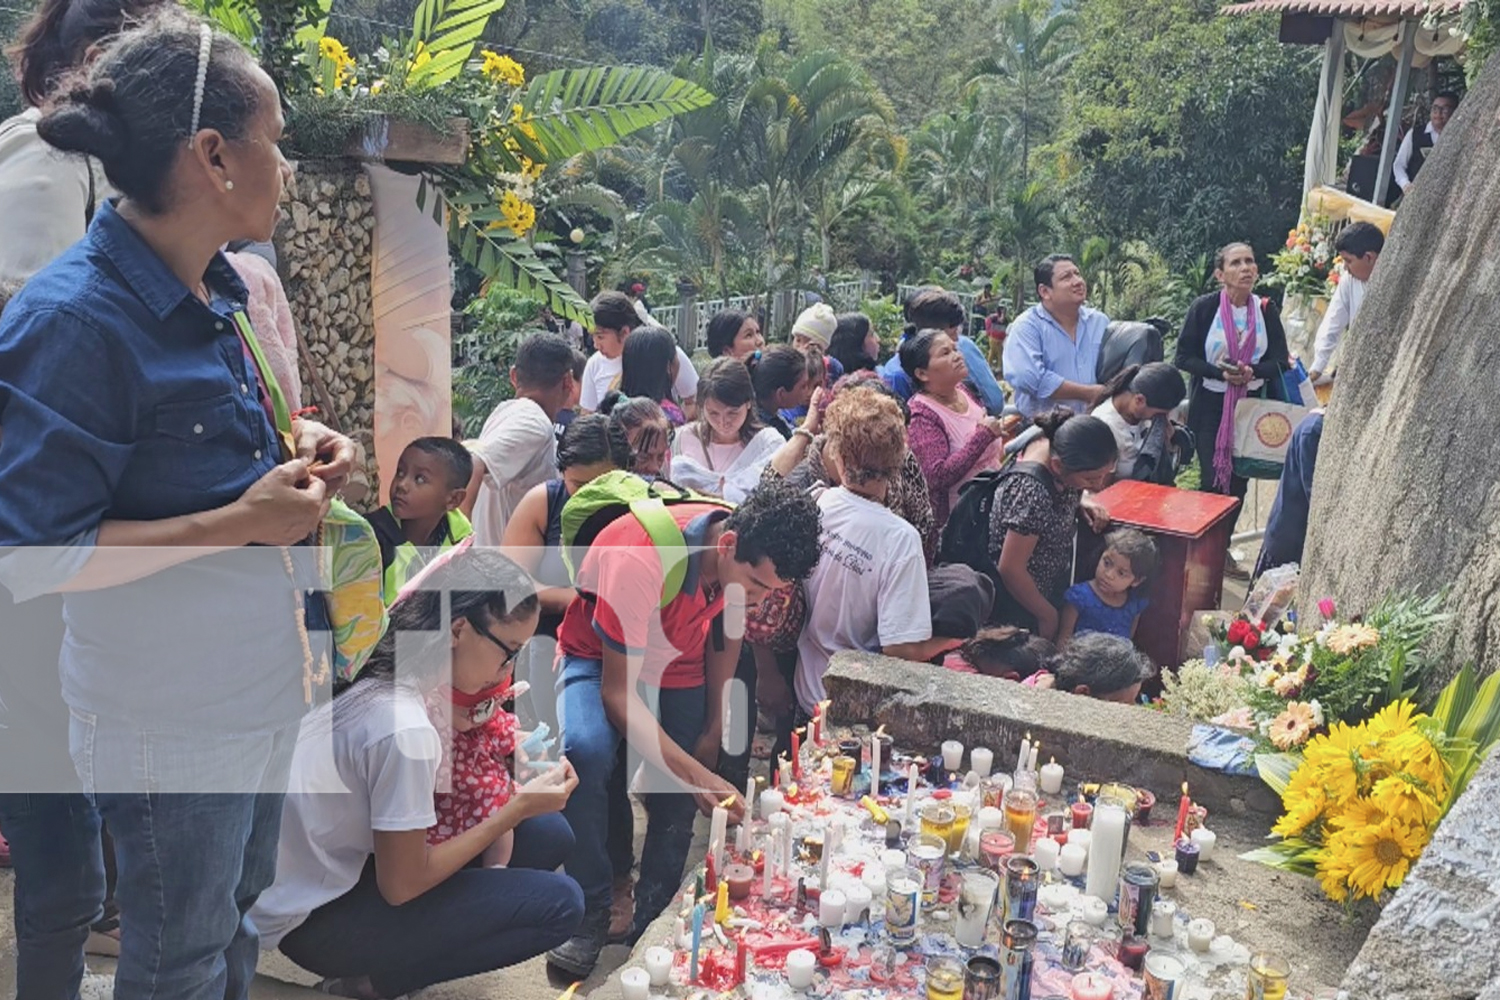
(133, 418)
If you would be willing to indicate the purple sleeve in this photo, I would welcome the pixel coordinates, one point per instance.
(943, 467)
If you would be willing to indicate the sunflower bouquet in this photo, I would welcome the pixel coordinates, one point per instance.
(1363, 800)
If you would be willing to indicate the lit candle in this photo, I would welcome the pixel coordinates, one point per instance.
(1205, 839)
(697, 942)
(771, 802)
(1083, 813)
(1182, 812)
(1091, 986)
(1163, 917)
(1051, 777)
(831, 908)
(875, 767)
(911, 794)
(1047, 852)
(1166, 871)
(635, 984)
(1106, 849)
(658, 966)
(799, 968)
(982, 760)
(1095, 910)
(797, 753)
(1200, 934)
(721, 904)
(953, 754)
(1025, 754)
(1071, 858)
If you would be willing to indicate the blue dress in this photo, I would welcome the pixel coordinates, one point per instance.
(1096, 616)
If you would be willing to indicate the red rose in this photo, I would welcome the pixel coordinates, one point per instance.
(1239, 631)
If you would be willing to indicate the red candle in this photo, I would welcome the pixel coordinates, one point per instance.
(739, 963)
(1083, 814)
(1182, 813)
(1133, 952)
(796, 753)
(1144, 800)
(739, 878)
(711, 877)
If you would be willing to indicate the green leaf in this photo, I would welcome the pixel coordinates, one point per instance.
(448, 31)
(1295, 856)
(1481, 723)
(1276, 769)
(1454, 700)
(513, 263)
(575, 111)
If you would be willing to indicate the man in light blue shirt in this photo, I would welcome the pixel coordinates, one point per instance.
(1052, 348)
(936, 309)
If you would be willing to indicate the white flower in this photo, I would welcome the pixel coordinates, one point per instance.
(1288, 643)
(1317, 711)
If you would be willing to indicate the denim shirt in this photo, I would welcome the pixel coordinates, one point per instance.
(1040, 357)
(125, 397)
(980, 376)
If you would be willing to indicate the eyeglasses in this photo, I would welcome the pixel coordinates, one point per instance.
(510, 654)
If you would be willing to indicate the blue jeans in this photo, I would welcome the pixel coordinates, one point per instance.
(592, 745)
(479, 920)
(59, 892)
(191, 863)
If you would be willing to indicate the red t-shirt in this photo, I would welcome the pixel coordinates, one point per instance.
(624, 571)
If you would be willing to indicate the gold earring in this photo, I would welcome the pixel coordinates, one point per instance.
(229, 185)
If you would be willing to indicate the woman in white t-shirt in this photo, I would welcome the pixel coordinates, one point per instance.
(360, 897)
(1135, 406)
(869, 590)
(725, 449)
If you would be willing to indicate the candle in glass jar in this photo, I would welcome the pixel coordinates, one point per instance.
(1051, 777)
(982, 760)
(1205, 839)
(1187, 857)
(1071, 859)
(1091, 986)
(1200, 934)
(1133, 953)
(1083, 814)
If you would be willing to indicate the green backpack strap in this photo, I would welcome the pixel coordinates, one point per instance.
(268, 383)
(669, 543)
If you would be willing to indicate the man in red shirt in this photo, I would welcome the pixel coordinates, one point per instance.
(657, 678)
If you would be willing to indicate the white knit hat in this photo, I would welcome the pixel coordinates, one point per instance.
(817, 323)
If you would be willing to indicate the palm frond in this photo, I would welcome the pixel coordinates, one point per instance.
(573, 111)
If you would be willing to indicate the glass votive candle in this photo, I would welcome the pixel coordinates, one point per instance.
(937, 820)
(962, 814)
(945, 978)
(1020, 816)
(1268, 976)
(1078, 939)
(1145, 800)
(994, 847)
(1187, 856)
(843, 776)
(1133, 952)
(1083, 814)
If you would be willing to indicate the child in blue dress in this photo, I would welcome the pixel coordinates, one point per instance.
(1113, 600)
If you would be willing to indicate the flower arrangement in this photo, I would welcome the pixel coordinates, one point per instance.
(1362, 801)
(1306, 266)
(1199, 691)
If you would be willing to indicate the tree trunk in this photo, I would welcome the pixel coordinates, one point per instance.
(1405, 497)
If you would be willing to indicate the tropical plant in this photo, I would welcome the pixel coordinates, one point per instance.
(1035, 44)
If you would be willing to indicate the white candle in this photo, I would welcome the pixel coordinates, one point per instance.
(911, 795)
(953, 754)
(875, 767)
(892, 860)
(681, 939)
(786, 845)
(1082, 838)
(1025, 754)
(1047, 852)
(635, 984)
(1072, 858)
(718, 831)
(982, 760)
(1163, 916)
(1052, 777)
(991, 818)
(750, 797)
(1031, 758)
(742, 837)
(831, 908)
(658, 966)
(1200, 934)
(857, 900)
(1095, 910)
(1166, 870)
(873, 882)
(799, 968)
(771, 803)
(1106, 850)
(1205, 839)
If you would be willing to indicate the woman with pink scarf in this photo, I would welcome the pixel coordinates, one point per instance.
(1233, 345)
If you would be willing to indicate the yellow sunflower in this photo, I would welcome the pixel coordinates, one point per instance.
(1378, 857)
(1333, 874)
(1395, 719)
(1333, 756)
(502, 69)
(1301, 811)
(1399, 797)
(1347, 639)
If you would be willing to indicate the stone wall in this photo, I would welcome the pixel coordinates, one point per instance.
(325, 248)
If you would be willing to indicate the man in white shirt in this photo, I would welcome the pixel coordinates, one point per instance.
(1052, 349)
(614, 318)
(869, 590)
(1418, 145)
(1358, 246)
(518, 447)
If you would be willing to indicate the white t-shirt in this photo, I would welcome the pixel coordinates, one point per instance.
(518, 447)
(1129, 437)
(868, 591)
(376, 769)
(44, 196)
(600, 373)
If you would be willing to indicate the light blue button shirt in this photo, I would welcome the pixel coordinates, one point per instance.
(1040, 357)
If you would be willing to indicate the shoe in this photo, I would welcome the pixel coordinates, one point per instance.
(105, 944)
(621, 909)
(578, 956)
(1234, 570)
(96, 987)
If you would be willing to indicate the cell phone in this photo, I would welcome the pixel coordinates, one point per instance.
(1228, 366)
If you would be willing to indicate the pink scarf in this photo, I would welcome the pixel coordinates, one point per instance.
(1241, 351)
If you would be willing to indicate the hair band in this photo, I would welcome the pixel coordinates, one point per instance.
(205, 50)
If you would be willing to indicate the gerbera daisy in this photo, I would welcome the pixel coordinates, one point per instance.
(1292, 727)
(1347, 639)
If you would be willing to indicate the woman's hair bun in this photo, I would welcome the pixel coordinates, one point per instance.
(86, 121)
(1050, 421)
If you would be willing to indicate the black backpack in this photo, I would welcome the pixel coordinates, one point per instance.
(966, 536)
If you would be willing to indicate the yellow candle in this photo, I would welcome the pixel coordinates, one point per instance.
(721, 907)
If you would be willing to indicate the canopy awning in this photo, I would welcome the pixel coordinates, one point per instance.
(1350, 8)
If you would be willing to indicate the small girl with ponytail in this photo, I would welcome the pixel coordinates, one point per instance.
(1134, 405)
